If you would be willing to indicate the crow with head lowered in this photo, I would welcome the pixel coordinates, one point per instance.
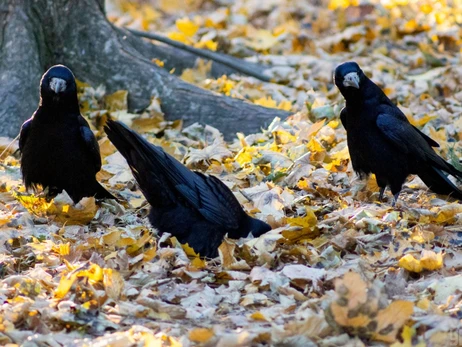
(58, 148)
(195, 208)
(382, 141)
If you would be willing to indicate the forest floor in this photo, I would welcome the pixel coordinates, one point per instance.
(339, 268)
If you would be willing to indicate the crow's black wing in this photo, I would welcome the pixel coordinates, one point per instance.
(206, 194)
(219, 205)
(427, 138)
(25, 128)
(410, 141)
(402, 134)
(90, 142)
(403, 123)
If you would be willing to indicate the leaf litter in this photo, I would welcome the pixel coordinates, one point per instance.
(338, 268)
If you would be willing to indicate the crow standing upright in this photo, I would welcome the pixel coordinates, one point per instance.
(195, 208)
(59, 151)
(382, 141)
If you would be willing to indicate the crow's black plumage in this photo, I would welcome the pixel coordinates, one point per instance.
(382, 141)
(58, 149)
(195, 208)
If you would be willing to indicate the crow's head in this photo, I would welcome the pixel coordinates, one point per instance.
(58, 86)
(348, 77)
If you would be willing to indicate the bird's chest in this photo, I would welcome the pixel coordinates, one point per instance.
(52, 145)
(363, 136)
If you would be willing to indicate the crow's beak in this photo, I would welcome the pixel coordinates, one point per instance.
(57, 85)
(351, 80)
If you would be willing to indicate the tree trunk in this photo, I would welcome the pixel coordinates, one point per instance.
(36, 34)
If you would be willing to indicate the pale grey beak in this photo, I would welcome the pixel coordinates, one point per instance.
(351, 80)
(57, 85)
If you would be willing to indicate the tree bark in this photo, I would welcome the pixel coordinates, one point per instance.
(36, 34)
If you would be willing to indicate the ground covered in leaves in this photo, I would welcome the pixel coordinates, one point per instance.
(338, 268)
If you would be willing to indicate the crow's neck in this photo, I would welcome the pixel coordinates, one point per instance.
(367, 92)
(64, 105)
(52, 112)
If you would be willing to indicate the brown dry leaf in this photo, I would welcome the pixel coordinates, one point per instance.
(227, 258)
(359, 309)
(66, 212)
(117, 101)
(391, 319)
(216, 151)
(113, 283)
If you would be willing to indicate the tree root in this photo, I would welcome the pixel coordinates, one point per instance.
(37, 34)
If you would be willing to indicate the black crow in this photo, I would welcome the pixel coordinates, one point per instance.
(58, 149)
(382, 141)
(195, 208)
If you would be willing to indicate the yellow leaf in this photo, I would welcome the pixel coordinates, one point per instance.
(266, 102)
(179, 37)
(395, 315)
(116, 101)
(315, 146)
(94, 273)
(209, 44)
(245, 155)
(421, 121)
(201, 335)
(199, 263)
(410, 263)
(261, 39)
(258, 316)
(65, 285)
(186, 26)
(438, 136)
(158, 62)
(337, 165)
(285, 105)
(407, 336)
(335, 4)
(283, 137)
(431, 260)
(190, 252)
(423, 304)
(150, 254)
(422, 236)
(318, 152)
(371, 184)
(340, 155)
(334, 124)
(36, 205)
(5, 217)
(65, 249)
(307, 221)
(140, 243)
(447, 213)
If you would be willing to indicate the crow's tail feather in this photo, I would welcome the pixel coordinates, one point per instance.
(439, 183)
(102, 193)
(139, 154)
